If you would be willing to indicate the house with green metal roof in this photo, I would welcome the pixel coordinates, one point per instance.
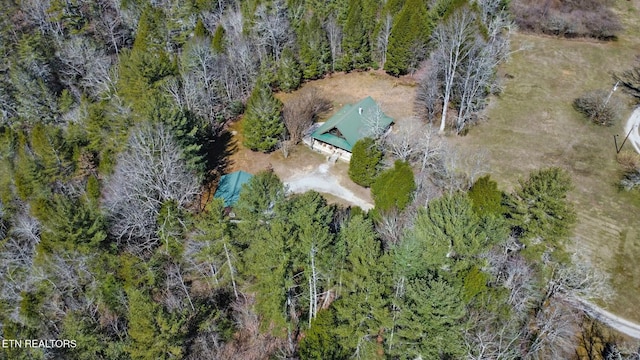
(230, 185)
(350, 124)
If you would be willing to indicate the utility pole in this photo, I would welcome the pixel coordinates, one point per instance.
(615, 139)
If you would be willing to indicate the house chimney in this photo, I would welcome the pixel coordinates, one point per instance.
(360, 111)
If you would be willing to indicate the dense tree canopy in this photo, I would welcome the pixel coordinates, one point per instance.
(112, 117)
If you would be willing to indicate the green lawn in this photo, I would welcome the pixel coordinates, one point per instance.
(532, 125)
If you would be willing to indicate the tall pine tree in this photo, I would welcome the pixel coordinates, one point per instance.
(262, 123)
(408, 38)
(356, 43)
(362, 313)
(315, 55)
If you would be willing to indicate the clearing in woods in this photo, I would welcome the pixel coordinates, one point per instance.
(531, 125)
(305, 169)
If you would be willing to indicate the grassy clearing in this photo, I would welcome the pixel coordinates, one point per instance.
(533, 125)
(394, 95)
(301, 160)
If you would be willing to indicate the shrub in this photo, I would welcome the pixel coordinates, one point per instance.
(485, 197)
(630, 163)
(365, 158)
(598, 107)
(393, 188)
(576, 18)
(631, 180)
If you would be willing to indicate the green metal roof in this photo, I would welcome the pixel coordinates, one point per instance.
(352, 123)
(230, 185)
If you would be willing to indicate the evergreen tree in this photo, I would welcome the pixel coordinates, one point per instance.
(310, 247)
(298, 237)
(539, 211)
(170, 224)
(268, 266)
(193, 134)
(355, 42)
(70, 223)
(430, 321)
(446, 238)
(89, 342)
(51, 152)
(262, 123)
(27, 177)
(218, 40)
(365, 159)
(362, 312)
(200, 30)
(408, 38)
(215, 249)
(450, 220)
(154, 335)
(288, 73)
(315, 55)
(393, 188)
(147, 63)
(485, 197)
(106, 134)
(320, 341)
(33, 79)
(259, 196)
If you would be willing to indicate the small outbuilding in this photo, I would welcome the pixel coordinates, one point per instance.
(351, 123)
(230, 185)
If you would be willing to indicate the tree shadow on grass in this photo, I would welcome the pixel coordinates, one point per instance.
(217, 154)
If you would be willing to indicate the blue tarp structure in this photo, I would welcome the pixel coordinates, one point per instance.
(230, 185)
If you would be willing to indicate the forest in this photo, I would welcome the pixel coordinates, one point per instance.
(112, 126)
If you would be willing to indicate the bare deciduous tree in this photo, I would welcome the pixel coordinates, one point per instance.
(452, 40)
(487, 340)
(110, 25)
(272, 30)
(373, 117)
(17, 252)
(84, 65)
(383, 38)
(300, 112)
(551, 332)
(413, 142)
(469, 44)
(150, 172)
(176, 295)
(392, 224)
(200, 73)
(240, 69)
(334, 32)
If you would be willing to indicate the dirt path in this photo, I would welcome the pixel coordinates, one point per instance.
(616, 322)
(632, 126)
(321, 180)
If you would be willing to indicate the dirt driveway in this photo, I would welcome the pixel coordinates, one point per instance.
(631, 128)
(303, 170)
(322, 180)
